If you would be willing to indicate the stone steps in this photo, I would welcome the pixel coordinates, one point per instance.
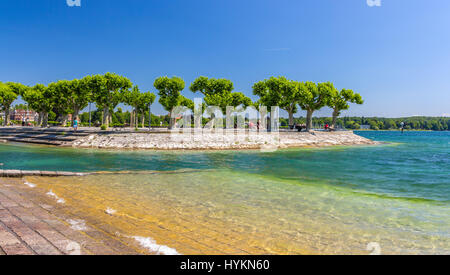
(57, 137)
(51, 136)
(31, 223)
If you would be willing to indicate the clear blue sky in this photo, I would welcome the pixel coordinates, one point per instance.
(397, 55)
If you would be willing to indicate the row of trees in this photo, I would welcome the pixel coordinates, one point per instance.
(290, 94)
(107, 91)
(66, 97)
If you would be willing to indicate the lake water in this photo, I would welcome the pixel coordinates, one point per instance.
(333, 200)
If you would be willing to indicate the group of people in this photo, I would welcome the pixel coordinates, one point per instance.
(251, 125)
(25, 122)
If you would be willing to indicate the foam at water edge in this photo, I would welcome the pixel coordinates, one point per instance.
(151, 245)
(110, 211)
(58, 199)
(78, 225)
(29, 184)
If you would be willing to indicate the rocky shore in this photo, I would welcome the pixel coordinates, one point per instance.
(220, 141)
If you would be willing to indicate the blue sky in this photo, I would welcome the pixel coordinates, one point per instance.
(397, 55)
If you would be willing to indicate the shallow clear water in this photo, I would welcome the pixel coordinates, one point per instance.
(331, 200)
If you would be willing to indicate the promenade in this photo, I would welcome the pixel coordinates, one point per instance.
(36, 225)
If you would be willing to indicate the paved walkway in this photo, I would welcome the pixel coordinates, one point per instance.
(32, 224)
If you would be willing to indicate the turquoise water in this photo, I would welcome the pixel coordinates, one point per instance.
(413, 165)
(397, 193)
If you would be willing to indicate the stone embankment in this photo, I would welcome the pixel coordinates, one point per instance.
(161, 139)
(220, 141)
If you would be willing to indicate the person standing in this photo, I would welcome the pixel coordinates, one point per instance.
(75, 125)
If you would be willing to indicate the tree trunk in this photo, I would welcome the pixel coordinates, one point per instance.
(309, 114)
(64, 120)
(105, 117)
(39, 122)
(143, 120)
(335, 116)
(171, 121)
(136, 119)
(291, 119)
(6, 122)
(45, 120)
(131, 119)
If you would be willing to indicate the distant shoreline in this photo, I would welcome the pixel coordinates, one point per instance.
(398, 130)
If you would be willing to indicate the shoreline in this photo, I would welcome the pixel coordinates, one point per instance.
(218, 141)
(100, 227)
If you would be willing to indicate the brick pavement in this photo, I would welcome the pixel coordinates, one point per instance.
(31, 225)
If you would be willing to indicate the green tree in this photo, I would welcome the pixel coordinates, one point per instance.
(132, 99)
(107, 92)
(219, 92)
(7, 97)
(80, 96)
(339, 100)
(267, 97)
(145, 101)
(211, 86)
(223, 100)
(17, 88)
(140, 102)
(60, 93)
(170, 95)
(388, 124)
(373, 125)
(39, 99)
(313, 97)
(279, 91)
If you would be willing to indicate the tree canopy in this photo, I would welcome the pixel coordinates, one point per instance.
(39, 98)
(108, 92)
(170, 94)
(64, 97)
(279, 91)
(313, 97)
(339, 100)
(7, 97)
(219, 92)
(211, 86)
